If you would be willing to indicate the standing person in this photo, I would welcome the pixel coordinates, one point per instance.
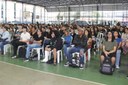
(24, 39)
(109, 48)
(118, 52)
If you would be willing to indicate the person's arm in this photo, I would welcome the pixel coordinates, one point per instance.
(38, 42)
(120, 44)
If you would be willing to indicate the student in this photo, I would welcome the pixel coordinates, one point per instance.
(67, 39)
(5, 39)
(55, 44)
(24, 39)
(80, 42)
(118, 52)
(125, 41)
(36, 43)
(109, 48)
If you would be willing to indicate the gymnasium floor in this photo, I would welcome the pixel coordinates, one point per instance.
(17, 72)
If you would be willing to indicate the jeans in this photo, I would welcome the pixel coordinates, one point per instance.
(72, 50)
(30, 47)
(82, 59)
(2, 45)
(65, 47)
(118, 57)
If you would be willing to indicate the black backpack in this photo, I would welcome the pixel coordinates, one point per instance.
(106, 67)
(22, 51)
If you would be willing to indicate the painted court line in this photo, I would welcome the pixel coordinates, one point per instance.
(51, 73)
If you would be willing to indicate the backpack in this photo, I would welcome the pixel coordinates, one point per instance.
(22, 51)
(75, 61)
(106, 67)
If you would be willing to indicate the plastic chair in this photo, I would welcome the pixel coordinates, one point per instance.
(59, 55)
(6, 48)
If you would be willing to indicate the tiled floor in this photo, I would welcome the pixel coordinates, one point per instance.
(91, 73)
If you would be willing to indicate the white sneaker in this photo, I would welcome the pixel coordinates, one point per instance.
(117, 67)
(13, 57)
(43, 61)
(26, 60)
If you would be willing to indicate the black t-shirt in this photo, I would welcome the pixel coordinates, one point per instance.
(34, 35)
(39, 38)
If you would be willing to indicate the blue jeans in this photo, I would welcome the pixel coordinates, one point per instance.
(73, 50)
(82, 59)
(30, 47)
(2, 45)
(118, 57)
(65, 47)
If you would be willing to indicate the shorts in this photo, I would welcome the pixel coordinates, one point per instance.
(110, 55)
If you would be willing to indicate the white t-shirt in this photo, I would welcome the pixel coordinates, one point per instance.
(25, 36)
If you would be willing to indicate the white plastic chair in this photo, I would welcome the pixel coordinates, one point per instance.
(6, 48)
(59, 55)
(38, 51)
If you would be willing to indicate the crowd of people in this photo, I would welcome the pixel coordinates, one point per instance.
(112, 41)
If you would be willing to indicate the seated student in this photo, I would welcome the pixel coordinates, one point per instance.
(34, 32)
(47, 36)
(24, 39)
(80, 42)
(109, 48)
(67, 39)
(125, 41)
(89, 43)
(5, 39)
(118, 52)
(55, 45)
(36, 43)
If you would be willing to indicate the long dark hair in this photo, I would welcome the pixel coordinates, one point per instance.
(112, 36)
(119, 36)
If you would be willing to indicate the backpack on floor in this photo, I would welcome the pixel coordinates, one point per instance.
(106, 67)
(75, 61)
(22, 51)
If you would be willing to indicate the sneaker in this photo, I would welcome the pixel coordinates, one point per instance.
(117, 67)
(13, 57)
(81, 66)
(26, 60)
(66, 64)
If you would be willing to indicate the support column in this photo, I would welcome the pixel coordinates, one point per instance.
(5, 11)
(44, 15)
(69, 9)
(33, 15)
